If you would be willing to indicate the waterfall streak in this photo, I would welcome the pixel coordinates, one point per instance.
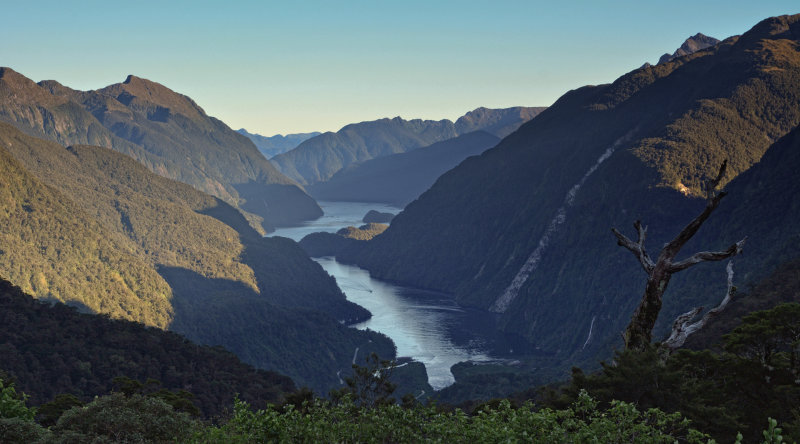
(589, 336)
(504, 301)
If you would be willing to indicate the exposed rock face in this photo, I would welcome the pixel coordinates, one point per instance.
(693, 44)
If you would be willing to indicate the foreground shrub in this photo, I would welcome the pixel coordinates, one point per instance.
(117, 418)
(323, 421)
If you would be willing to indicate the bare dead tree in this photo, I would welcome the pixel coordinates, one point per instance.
(639, 332)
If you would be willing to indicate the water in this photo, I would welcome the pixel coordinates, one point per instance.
(428, 327)
(337, 215)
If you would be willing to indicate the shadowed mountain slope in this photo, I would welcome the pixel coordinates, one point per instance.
(53, 349)
(319, 158)
(523, 229)
(400, 178)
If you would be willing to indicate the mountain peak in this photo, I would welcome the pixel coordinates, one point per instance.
(148, 93)
(691, 45)
(21, 89)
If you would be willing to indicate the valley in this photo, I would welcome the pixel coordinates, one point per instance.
(428, 327)
(449, 267)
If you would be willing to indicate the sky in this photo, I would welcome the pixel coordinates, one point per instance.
(278, 67)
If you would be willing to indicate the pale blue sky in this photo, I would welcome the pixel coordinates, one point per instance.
(297, 66)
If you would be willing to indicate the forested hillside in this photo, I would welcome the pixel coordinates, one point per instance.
(523, 229)
(52, 349)
(93, 228)
(166, 131)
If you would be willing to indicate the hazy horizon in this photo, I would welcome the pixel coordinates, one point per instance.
(277, 68)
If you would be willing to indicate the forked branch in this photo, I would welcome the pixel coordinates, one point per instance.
(682, 328)
(637, 248)
(639, 332)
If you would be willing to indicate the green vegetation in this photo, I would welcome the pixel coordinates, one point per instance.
(364, 232)
(322, 421)
(165, 131)
(53, 349)
(669, 127)
(93, 228)
(722, 393)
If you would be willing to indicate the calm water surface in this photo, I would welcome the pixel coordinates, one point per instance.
(428, 327)
(337, 215)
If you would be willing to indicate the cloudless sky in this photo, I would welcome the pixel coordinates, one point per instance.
(297, 66)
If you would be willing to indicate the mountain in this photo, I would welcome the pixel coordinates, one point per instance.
(400, 178)
(523, 229)
(319, 158)
(691, 45)
(166, 131)
(499, 122)
(277, 144)
(95, 229)
(49, 349)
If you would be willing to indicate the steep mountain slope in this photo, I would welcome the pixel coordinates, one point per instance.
(52, 349)
(319, 158)
(400, 178)
(523, 229)
(165, 131)
(93, 227)
(52, 248)
(277, 144)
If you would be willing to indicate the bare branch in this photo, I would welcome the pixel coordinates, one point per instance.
(637, 248)
(714, 198)
(707, 256)
(681, 329)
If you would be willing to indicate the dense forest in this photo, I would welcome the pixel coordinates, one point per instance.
(51, 349)
(93, 228)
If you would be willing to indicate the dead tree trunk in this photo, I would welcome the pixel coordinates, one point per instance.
(639, 332)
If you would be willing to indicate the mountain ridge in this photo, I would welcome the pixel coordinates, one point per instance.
(166, 131)
(319, 158)
(400, 178)
(538, 206)
(277, 144)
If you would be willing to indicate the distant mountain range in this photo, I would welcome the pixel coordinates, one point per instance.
(165, 131)
(523, 229)
(400, 178)
(274, 145)
(319, 158)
